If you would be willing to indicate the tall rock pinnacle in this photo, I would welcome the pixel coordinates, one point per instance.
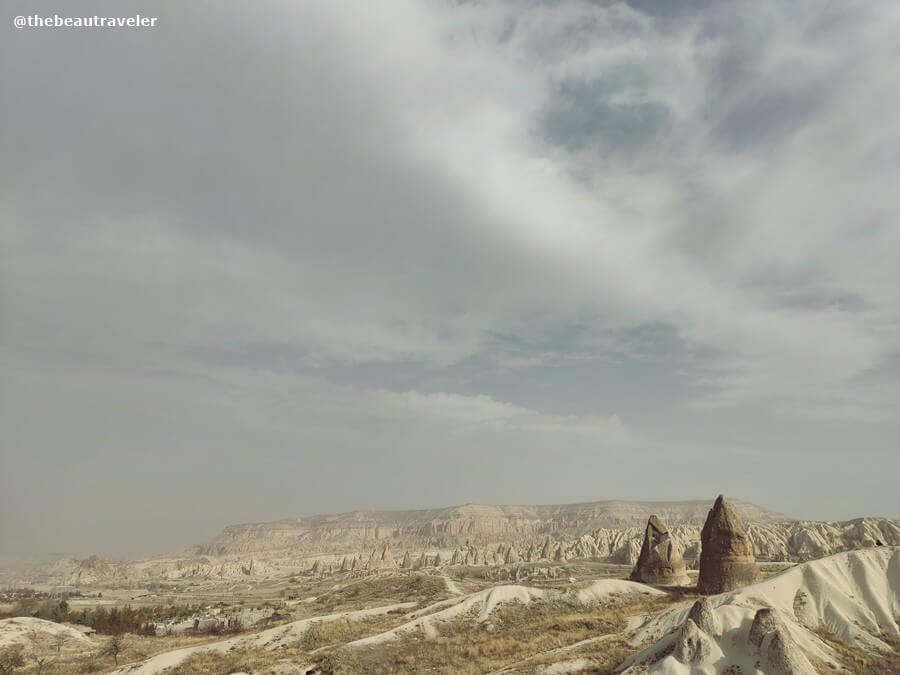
(660, 561)
(726, 555)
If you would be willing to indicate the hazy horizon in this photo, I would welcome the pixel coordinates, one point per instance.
(136, 553)
(272, 260)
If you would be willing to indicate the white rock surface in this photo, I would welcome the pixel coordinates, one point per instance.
(856, 594)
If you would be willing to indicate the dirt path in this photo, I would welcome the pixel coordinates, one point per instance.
(451, 585)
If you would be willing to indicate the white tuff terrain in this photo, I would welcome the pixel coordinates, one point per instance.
(426, 622)
(22, 629)
(855, 596)
(472, 535)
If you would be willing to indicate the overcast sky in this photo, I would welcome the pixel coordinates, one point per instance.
(271, 259)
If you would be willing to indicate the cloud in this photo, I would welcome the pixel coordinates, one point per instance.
(585, 159)
(548, 226)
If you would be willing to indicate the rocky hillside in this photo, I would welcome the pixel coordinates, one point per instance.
(777, 626)
(474, 535)
(787, 541)
(95, 571)
(452, 526)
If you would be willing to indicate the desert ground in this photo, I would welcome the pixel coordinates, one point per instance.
(601, 587)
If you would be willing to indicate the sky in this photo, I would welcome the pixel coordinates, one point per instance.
(266, 260)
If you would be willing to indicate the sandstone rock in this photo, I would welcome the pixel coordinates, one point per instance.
(546, 549)
(780, 655)
(628, 551)
(373, 561)
(764, 621)
(387, 557)
(804, 610)
(777, 652)
(693, 645)
(691, 555)
(726, 556)
(660, 560)
(704, 615)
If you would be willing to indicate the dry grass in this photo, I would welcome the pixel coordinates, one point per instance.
(516, 634)
(860, 659)
(320, 635)
(526, 635)
(135, 648)
(520, 636)
(223, 663)
(371, 592)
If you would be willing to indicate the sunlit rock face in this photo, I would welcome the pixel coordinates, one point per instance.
(726, 555)
(660, 560)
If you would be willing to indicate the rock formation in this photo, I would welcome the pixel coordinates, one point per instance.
(777, 651)
(764, 621)
(726, 554)
(373, 561)
(660, 560)
(704, 615)
(602, 531)
(693, 645)
(546, 549)
(559, 555)
(387, 557)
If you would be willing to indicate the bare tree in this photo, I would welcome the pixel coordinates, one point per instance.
(41, 652)
(60, 640)
(114, 647)
(11, 658)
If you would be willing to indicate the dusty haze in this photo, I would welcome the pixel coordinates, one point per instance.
(265, 261)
